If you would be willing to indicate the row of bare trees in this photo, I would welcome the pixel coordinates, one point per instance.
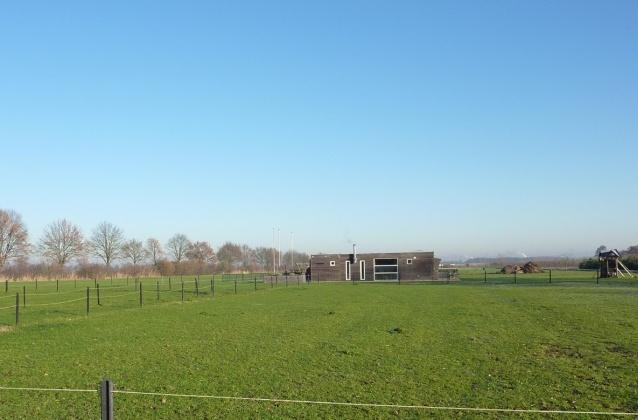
(64, 249)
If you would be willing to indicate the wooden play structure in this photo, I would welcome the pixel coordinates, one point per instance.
(611, 266)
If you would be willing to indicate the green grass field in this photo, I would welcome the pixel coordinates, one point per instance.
(570, 345)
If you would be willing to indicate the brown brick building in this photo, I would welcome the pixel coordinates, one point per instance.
(390, 266)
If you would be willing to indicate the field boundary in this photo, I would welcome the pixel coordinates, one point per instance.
(331, 403)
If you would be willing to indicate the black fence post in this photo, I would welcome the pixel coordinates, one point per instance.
(97, 290)
(36, 283)
(158, 290)
(140, 293)
(550, 276)
(87, 300)
(6, 285)
(514, 276)
(95, 281)
(24, 296)
(106, 397)
(255, 283)
(170, 286)
(235, 284)
(182, 291)
(286, 280)
(17, 308)
(57, 284)
(484, 276)
(197, 286)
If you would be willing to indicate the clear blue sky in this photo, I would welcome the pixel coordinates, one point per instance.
(470, 128)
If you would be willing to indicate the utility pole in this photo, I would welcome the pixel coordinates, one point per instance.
(278, 249)
(292, 252)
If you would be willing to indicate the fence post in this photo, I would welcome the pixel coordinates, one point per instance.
(24, 296)
(36, 283)
(170, 286)
(17, 308)
(255, 283)
(550, 276)
(158, 290)
(97, 290)
(197, 286)
(95, 281)
(286, 280)
(87, 300)
(484, 276)
(57, 284)
(6, 285)
(182, 291)
(514, 276)
(140, 293)
(106, 397)
(235, 284)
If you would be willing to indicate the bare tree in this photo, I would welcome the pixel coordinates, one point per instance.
(600, 249)
(230, 256)
(178, 245)
(201, 252)
(61, 241)
(14, 238)
(134, 251)
(106, 242)
(154, 250)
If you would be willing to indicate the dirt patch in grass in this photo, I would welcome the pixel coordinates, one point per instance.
(6, 328)
(553, 350)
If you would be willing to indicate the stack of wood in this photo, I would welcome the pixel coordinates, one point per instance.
(528, 268)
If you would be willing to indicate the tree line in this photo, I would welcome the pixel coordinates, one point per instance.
(63, 249)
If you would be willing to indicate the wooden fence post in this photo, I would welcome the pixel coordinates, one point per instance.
(182, 291)
(24, 296)
(97, 290)
(158, 290)
(235, 284)
(17, 308)
(140, 294)
(106, 397)
(87, 300)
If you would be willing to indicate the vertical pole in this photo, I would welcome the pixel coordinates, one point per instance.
(197, 286)
(235, 284)
(24, 296)
(87, 300)
(97, 290)
(17, 308)
(484, 275)
(36, 283)
(140, 293)
(106, 397)
(170, 286)
(182, 291)
(213, 280)
(286, 280)
(271, 282)
(158, 290)
(550, 276)
(95, 282)
(255, 283)
(514, 276)
(6, 285)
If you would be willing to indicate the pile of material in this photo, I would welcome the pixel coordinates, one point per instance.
(528, 268)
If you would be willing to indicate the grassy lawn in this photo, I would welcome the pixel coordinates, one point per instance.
(571, 346)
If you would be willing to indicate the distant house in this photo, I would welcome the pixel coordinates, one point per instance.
(387, 266)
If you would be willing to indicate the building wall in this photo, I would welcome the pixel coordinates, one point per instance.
(424, 266)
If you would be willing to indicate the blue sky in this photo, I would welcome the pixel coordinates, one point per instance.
(469, 128)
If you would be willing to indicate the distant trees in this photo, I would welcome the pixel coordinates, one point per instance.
(106, 242)
(229, 256)
(632, 250)
(134, 251)
(177, 246)
(600, 249)
(201, 252)
(154, 250)
(61, 242)
(14, 238)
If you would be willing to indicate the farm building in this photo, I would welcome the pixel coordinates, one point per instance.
(394, 266)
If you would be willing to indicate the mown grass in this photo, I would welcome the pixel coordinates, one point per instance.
(556, 346)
